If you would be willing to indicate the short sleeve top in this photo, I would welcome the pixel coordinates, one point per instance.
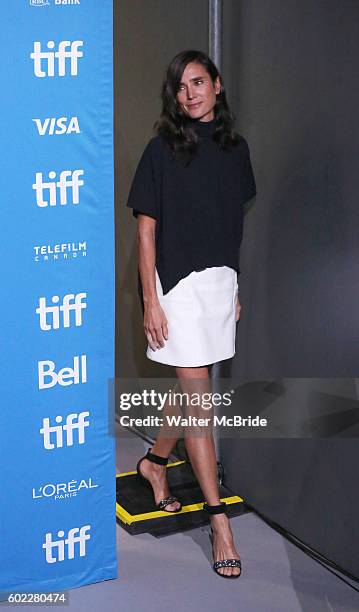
(198, 207)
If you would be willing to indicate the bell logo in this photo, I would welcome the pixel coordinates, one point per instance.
(45, 62)
(66, 376)
(65, 547)
(67, 2)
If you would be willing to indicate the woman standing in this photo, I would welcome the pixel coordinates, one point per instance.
(187, 194)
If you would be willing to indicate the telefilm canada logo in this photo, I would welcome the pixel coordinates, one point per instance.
(60, 251)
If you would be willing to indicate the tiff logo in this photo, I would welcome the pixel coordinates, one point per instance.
(69, 179)
(67, 50)
(74, 422)
(71, 301)
(66, 546)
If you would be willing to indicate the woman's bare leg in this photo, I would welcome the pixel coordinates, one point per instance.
(201, 451)
(156, 474)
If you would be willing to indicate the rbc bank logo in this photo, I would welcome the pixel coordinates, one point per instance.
(65, 547)
(46, 63)
(69, 179)
(39, 3)
(54, 436)
(70, 302)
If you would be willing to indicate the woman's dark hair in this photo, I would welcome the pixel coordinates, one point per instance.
(173, 123)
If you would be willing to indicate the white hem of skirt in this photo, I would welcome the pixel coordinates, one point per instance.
(201, 317)
(190, 364)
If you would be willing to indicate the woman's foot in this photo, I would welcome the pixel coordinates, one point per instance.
(223, 544)
(156, 474)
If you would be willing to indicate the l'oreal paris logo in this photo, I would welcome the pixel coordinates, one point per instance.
(39, 3)
(63, 490)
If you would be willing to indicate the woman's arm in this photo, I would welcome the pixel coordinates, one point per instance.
(154, 320)
(238, 308)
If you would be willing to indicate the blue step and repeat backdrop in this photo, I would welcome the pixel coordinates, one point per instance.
(57, 528)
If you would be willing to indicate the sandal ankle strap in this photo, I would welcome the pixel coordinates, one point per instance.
(219, 509)
(156, 458)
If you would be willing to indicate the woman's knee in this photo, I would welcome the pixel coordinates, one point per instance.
(201, 372)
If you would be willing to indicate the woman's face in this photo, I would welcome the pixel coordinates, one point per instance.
(197, 92)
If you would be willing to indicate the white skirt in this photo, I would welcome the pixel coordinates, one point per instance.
(201, 318)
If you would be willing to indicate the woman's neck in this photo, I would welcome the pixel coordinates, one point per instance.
(202, 128)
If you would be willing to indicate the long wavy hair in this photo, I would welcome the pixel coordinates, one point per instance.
(173, 124)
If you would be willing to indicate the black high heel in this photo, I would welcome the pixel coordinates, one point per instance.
(221, 509)
(166, 500)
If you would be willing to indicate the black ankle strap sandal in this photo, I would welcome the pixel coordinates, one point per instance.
(166, 501)
(156, 458)
(221, 509)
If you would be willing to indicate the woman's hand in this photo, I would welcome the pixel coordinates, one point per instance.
(155, 325)
(238, 308)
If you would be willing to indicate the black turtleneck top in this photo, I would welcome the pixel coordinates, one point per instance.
(198, 207)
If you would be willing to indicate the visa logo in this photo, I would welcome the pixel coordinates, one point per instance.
(62, 125)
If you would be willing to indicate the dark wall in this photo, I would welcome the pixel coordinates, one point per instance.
(295, 86)
(148, 33)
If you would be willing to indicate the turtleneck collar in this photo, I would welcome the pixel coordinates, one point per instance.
(204, 129)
